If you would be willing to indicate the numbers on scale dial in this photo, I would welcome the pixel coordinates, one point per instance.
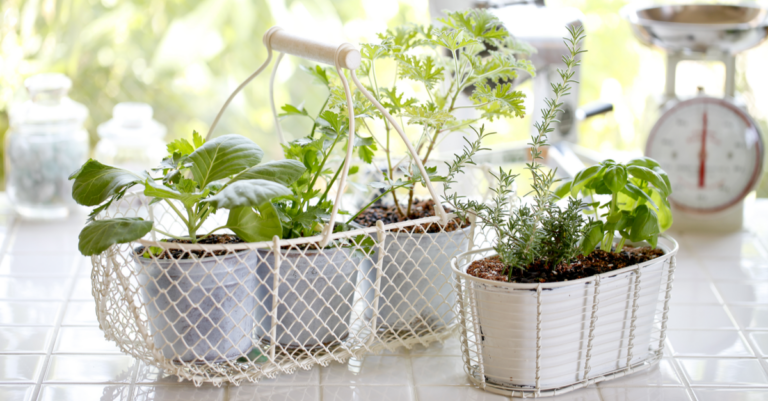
(711, 151)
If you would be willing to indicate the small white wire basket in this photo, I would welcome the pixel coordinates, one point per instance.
(235, 312)
(546, 339)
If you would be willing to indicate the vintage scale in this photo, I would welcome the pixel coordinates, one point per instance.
(710, 147)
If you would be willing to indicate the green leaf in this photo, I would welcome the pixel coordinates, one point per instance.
(250, 193)
(186, 186)
(644, 225)
(593, 235)
(563, 189)
(396, 103)
(429, 115)
(366, 153)
(180, 145)
(663, 210)
(582, 178)
(335, 122)
(636, 193)
(224, 156)
(255, 227)
(291, 110)
(615, 178)
(424, 70)
(99, 235)
(319, 73)
(197, 139)
(650, 176)
(285, 172)
(646, 162)
(479, 23)
(452, 39)
(500, 100)
(152, 189)
(663, 175)
(96, 182)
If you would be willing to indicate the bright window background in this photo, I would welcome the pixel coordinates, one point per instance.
(184, 57)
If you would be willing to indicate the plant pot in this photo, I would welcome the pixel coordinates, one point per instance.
(415, 284)
(315, 293)
(622, 318)
(199, 310)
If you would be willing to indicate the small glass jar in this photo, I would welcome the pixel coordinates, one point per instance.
(131, 140)
(46, 142)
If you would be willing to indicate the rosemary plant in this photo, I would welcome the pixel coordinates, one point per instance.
(542, 231)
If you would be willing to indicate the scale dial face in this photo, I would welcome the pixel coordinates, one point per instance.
(712, 152)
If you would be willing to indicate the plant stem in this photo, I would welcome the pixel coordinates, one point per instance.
(168, 235)
(314, 124)
(211, 232)
(177, 211)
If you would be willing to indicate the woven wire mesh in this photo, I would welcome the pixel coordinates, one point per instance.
(237, 312)
(539, 340)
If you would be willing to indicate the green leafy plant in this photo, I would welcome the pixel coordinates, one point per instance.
(637, 209)
(470, 52)
(195, 180)
(541, 231)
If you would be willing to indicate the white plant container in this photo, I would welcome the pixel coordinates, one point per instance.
(199, 310)
(549, 338)
(315, 295)
(416, 291)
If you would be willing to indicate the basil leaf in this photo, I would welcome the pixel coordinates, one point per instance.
(285, 172)
(636, 193)
(649, 176)
(582, 178)
(222, 157)
(593, 235)
(255, 227)
(664, 177)
(644, 225)
(96, 182)
(615, 178)
(563, 189)
(249, 193)
(663, 210)
(99, 235)
(646, 162)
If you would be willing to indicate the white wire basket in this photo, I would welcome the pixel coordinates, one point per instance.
(237, 312)
(541, 340)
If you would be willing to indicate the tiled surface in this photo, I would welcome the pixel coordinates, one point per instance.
(52, 349)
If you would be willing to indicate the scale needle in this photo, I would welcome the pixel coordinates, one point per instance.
(703, 152)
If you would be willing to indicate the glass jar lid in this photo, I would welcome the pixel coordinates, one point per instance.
(48, 103)
(131, 120)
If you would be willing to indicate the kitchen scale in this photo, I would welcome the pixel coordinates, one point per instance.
(710, 147)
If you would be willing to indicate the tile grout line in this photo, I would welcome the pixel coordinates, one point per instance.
(56, 328)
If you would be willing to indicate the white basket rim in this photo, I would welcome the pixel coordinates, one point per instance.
(671, 250)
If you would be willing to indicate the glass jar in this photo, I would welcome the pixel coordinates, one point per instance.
(46, 142)
(131, 140)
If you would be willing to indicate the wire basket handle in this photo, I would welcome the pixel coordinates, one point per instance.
(342, 56)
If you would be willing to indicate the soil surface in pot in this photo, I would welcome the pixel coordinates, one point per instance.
(420, 209)
(215, 239)
(597, 262)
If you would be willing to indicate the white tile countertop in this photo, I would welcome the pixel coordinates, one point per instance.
(52, 349)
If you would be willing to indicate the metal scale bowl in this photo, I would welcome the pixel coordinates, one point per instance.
(710, 147)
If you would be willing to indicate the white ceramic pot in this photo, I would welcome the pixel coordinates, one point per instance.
(315, 293)
(500, 322)
(416, 291)
(199, 310)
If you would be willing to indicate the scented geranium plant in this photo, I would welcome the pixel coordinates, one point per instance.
(471, 54)
(195, 180)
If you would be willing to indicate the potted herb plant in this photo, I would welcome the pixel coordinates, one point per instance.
(562, 298)
(471, 54)
(317, 282)
(199, 304)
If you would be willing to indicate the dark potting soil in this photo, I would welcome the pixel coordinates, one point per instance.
(420, 209)
(184, 254)
(597, 262)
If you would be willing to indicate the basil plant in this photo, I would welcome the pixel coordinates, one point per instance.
(637, 209)
(194, 180)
